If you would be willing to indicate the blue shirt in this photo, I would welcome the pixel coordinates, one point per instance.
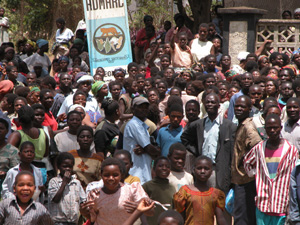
(232, 103)
(167, 137)
(211, 137)
(136, 133)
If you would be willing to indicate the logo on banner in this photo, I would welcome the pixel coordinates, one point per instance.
(109, 39)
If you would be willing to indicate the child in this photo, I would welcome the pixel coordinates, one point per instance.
(159, 188)
(125, 156)
(178, 176)
(26, 155)
(198, 203)
(171, 133)
(21, 209)
(109, 202)
(272, 162)
(65, 192)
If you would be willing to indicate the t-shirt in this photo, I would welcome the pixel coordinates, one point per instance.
(65, 36)
(37, 58)
(50, 121)
(272, 160)
(200, 49)
(130, 179)
(179, 179)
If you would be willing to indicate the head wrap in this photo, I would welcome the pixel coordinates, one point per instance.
(297, 10)
(85, 78)
(119, 70)
(290, 66)
(187, 71)
(78, 41)
(34, 89)
(198, 64)
(295, 52)
(97, 87)
(73, 107)
(41, 42)
(230, 74)
(6, 86)
(273, 76)
(63, 58)
(32, 43)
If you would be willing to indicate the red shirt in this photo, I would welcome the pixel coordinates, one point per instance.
(50, 121)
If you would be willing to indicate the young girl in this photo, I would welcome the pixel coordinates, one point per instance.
(198, 203)
(114, 194)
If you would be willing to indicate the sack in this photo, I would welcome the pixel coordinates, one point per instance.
(229, 202)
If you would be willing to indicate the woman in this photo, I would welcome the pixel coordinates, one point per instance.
(62, 38)
(87, 164)
(100, 91)
(107, 131)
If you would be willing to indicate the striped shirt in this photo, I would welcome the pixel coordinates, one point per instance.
(272, 194)
(34, 214)
(272, 160)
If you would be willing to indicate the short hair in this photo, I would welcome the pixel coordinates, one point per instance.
(79, 92)
(272, 116)
(156, 161)
(251, 65)
(165, 56)
(146, 17)
(74, 112)
(209, 56)
(5, 122)
(64, 156)
(26, 143)
(152, 89)
(175, 88)
(110, 106)
(176, 146)
(203, 157)
(173, 214)
(252, 55)
(113, 83)
(193, 101)
(175, 108)
(61, 21)
(174, 100)
(275, 82)
(10, 68)
(180, 82)
(38, 106)
(20, 98)
(296, 83)
(274, 56)
(85, 127)
(248, 100)
(215, 95)
(10, 98)
(132, 64)
(26, 114)
(207, 76)
(268, 107)
(21, 173)
(205, 25)
(127, 83)
(49, 80)
(115, 162)
(140, 76)
(123, 152)
(297, 100)
(43, 92)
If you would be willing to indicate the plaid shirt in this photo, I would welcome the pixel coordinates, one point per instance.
(67, 210)
(34, 214)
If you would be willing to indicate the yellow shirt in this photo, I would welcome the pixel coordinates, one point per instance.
(130, 179)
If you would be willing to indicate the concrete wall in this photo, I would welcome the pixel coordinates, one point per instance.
(274, 7)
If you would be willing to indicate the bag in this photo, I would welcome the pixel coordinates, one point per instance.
(229, 202)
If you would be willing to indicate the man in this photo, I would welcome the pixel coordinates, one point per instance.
(256, 95)
(245, 139)
(179, 20)
(247, 81)
(85, 85)
(291, 128)
(137, 141)
(192, 110)
(213, 137)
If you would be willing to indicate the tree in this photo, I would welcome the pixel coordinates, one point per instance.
(200, 10)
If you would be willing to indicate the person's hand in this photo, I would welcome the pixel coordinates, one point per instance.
(67, 177)
(85, 208)
(145, 205)
(175, 31)
(62, 117)
(95, 193)
(42, 188)
(130, 206)
(2, 174)
(138, 150)
(158, 41)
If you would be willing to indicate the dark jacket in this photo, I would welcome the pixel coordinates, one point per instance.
(193, 139)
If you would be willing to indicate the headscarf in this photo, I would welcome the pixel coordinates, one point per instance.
(6, 86)
(119, 70)
(97, 87)
(63, 58)
(34, 89)
(295, 52)
(73, 107)
(41, 42)
(187, 71)
(32, 43)
(230, 74)
(78, 41)
(79, 75)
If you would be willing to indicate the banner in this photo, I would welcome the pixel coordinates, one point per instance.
(108, 35)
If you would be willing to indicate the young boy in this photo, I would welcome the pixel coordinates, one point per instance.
(178, 176)
(21, 209)
(171, 133)
(26, 154)
(159, 189)
(65, 192)
(272, 162)
(125, 156)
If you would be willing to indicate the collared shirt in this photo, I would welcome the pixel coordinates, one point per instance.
(166, 137)
(136, 133)
(67, 210)
(8, 183)
(246, 137)
(272, 194)
(211, 137)
(291, 133)
(34, 214)
(91, 104)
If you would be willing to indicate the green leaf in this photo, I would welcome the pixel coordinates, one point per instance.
(107, 45)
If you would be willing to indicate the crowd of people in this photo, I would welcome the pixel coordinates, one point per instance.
(180, 137)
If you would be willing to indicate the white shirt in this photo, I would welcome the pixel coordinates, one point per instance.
(200, 49)
(65, 36)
